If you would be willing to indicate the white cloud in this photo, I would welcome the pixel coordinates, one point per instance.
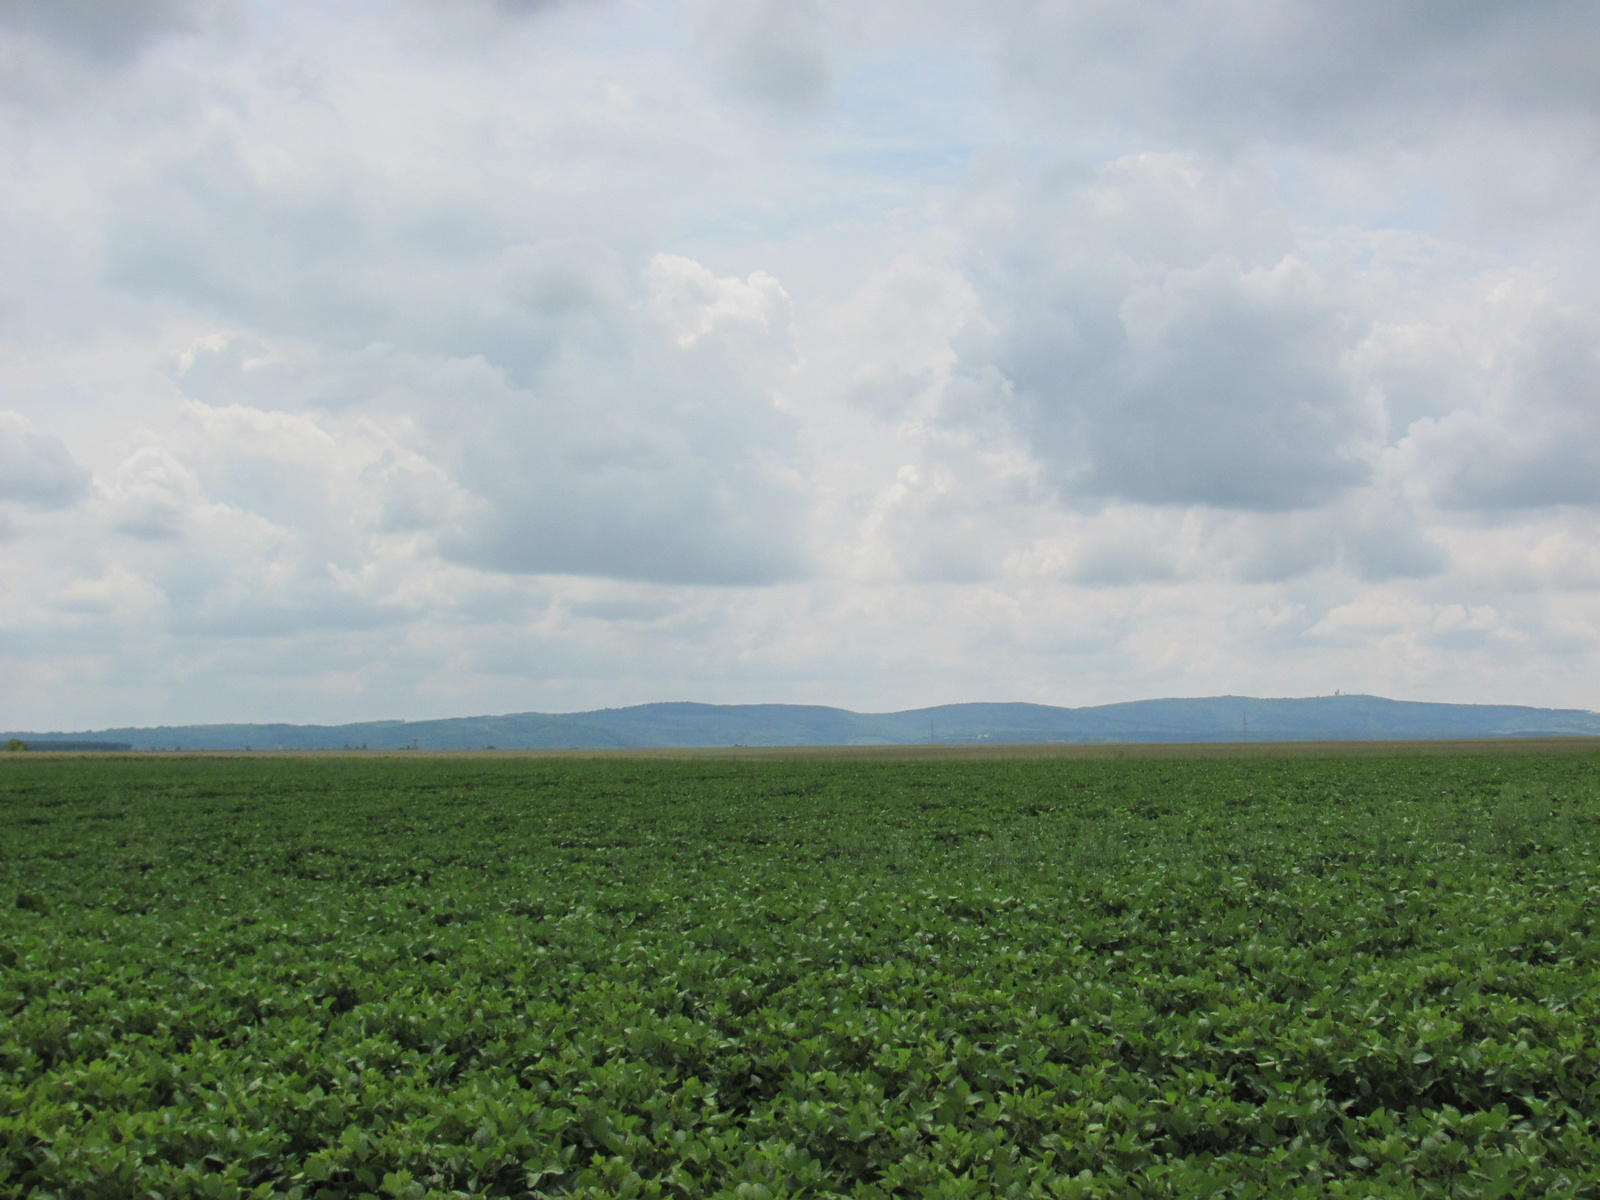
(153, 495)
(37, 470)
(692, 302)
(380, 359)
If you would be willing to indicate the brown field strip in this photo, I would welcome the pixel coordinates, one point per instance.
(926, 753)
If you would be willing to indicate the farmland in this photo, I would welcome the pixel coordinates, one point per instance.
(1096, 977)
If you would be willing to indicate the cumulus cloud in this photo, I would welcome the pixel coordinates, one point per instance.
(1228, 389)
(452, 356)
(1534, 441)
(1176, 377)
(252, 523)
(665, 465)
(109, 32)
(692, 302)
(36, 469)
(604, 417)
(153, 495)
(894, 336)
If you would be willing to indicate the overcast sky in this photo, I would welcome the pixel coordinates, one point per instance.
(414, 358)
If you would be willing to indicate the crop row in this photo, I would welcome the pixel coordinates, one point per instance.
(1254, 977)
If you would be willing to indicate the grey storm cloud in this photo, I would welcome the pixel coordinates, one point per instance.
(635, 521)
(1219, 71)
(525, 8)
(1157, 348)
(773, 50)
(1224, 388)
(202, 229)
(36, 469)
(106, 30)
(672, 481)
(1537, 444)
(67, 55)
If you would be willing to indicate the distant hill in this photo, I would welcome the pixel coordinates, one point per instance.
(1211, 719)
(64, 743)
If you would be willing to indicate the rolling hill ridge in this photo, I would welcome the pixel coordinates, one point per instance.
(645, 726)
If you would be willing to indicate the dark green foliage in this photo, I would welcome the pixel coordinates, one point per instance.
(1243, 978)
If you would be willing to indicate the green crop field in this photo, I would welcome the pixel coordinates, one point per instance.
(403, 977)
